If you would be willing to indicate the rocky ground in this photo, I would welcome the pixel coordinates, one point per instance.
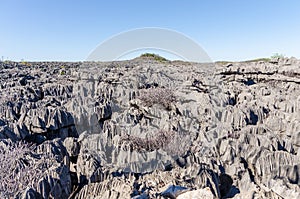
(150, 129)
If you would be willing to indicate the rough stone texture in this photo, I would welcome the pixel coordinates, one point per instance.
(197, 194)
(30, 194)
(72, 146)
(133, 129)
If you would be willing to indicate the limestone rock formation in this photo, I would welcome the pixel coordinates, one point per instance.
(156, 129)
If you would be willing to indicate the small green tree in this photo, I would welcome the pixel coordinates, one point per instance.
(277, 56)
(156, 57)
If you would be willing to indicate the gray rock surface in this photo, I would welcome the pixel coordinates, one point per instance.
(138, 128)
(197, 194)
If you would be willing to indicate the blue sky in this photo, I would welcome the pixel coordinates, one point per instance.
(227, 30)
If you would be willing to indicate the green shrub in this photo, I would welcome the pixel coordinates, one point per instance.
(277, 56)
(154, 56)
(24, 63)
(258, 60)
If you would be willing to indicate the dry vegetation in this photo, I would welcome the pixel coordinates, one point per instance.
(21, 168)
(163, 96)
(174, 143)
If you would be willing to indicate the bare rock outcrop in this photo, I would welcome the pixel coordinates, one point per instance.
(156, 129)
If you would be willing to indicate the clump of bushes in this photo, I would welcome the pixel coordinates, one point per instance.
(20, 168)
(163, 96)
(156, 57)
(158, 140)
(277, 56)
(258, 60)
(25, 63)
(174, 143)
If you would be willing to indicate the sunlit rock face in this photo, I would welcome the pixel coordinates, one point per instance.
(147, 128)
